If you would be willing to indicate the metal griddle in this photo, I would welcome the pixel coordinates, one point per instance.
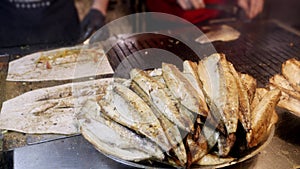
(260, 51)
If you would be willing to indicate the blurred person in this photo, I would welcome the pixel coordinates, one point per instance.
(35, 22)
(195, 11)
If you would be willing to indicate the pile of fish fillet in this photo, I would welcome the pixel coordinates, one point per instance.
(289, 84)
(207, 114)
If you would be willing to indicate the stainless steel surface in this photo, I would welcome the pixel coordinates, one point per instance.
(69, 153)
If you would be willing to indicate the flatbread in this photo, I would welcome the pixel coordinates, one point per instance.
(60, 64)
(50, 110)
(218, 33)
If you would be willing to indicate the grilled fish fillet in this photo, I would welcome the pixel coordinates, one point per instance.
(161, 98)
(218, 33)
(282, 84)
(289, 103)
(172, 132)
(259, 94)
(221, 89)
(127, 108)
(249, 83)
(244, 103)
(182, 89)
(261, 117)
(291, 71)
(190, 72)
(111, 138)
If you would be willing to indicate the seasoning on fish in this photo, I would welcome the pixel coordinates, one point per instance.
(127, 108)
(171, 130)
(181, 88)
(112, 138)
(221, 89)
(161, 98)
(190, 73)
(261, 116)
(244, 103)
(249, 84)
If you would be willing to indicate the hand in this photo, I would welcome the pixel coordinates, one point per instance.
(93, 21)
(251, 7)
(191, 4)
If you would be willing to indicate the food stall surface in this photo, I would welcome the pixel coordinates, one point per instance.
(260, 51)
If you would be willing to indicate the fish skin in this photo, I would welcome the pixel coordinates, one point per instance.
(190, 73)
(215, 76)
(261, 117)
(244, 103)
(291, 71)
(181, 88)
(162, 99)
(115, 139)
(171, 130)
(127, 108)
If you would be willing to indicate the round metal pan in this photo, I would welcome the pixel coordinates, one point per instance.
(156, 165)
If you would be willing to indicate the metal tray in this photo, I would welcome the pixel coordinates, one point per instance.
(155, 165)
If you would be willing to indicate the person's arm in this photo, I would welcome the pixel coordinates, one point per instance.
(94, 20)
(100, 5)
(251, 7)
